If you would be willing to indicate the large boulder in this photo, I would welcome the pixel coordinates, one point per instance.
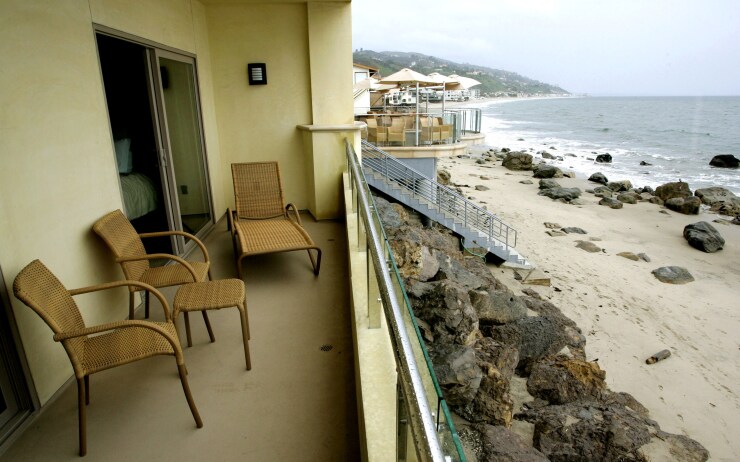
(620, 186)
(598, 177)
(566, 194)
(561, 380)
(687, 206)
(671, 190)
(547, 183)
(604, 158)
(719, 200)
(703, 236)
(497, 306)
(608, 431)
(443, 176)
(547, 171)
(517, 161)
(534, 337)
(499, 444)
(673, 275)
(457, 371)
(446, 308)
(725, 161)
(492, 404)
(628, 197)
(609, 202)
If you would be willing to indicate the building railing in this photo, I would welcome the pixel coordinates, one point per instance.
(469, 118)
(424, 428)
(411, 129)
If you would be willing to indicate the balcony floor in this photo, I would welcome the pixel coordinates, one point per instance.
(296, 404)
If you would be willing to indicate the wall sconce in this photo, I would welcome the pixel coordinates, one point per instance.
(257, 73)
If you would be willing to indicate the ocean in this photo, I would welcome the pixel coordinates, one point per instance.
(678, 136)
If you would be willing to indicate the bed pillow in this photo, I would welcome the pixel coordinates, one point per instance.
(123, 156)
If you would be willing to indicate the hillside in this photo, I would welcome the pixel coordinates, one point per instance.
(493, 81)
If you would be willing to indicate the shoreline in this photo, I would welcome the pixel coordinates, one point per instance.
(625, 313)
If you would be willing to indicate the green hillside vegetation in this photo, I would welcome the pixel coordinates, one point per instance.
(494, 82)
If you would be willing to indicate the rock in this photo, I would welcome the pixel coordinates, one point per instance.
(550, 225)
(671, 190)
(517, 161)
(548, 183)
(629, 256)
(561, 380)
(574, 230)
(534, 337)
(628, 197)
(676, 448)
(546, 155)
(719, 200)
(555, 233)
(566, 194)
(609, 202)
(445, 306)
(643, 163)
(480, 161)
(578, 202)
(602, 191)
(620, 186)
(656, 200)
(481, 187)
(673, 275)
(526, 182)
(569, 174)
(687, 206)
(486, 178)
(588, 246)
(604, 158)
(589, 431)
(499, 444)
(497, 306)
(457, 372)
(547, 171)
(725, 161)
(644, 257)
(598, 177)
(703, 236)
(505, 150)
(443, 176)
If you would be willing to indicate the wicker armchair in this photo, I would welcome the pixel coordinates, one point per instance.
(261, 223)
(116, 344)
(126, 245)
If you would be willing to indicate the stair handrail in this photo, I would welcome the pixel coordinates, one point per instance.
(446, 199)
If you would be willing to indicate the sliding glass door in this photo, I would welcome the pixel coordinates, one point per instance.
(183, 141)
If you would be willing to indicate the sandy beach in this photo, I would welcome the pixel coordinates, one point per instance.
(626, 313)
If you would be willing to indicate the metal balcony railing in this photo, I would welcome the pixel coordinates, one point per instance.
(424, 428)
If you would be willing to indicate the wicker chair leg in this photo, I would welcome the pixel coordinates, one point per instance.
(187, 329)
(87, 390)
(81, 417)
(131, 305)
(245, 336)
(239, 267)
(146, 304)
(188, 396)
(315, 262)
(208, 326)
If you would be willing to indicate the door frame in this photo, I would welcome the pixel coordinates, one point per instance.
(180, 246)
(11, 348)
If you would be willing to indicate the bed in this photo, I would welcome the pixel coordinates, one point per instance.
(139, 195)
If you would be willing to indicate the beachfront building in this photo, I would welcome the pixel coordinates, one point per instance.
(96, 93)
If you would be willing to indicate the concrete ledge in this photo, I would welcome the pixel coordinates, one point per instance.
(435, 150)
(474, 138)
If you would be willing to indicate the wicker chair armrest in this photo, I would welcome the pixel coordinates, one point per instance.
(126, 283)
(154, 256)
(179, 233)
(295, 212)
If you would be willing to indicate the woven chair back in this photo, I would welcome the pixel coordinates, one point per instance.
(258, 191)
(38, 288)
(123, 240)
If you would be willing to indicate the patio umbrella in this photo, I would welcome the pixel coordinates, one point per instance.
(408, 76)
(441, 79)
(463, 83)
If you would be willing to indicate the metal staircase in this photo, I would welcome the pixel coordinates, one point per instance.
(387, 174)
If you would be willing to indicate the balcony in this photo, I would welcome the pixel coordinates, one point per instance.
(297, 403)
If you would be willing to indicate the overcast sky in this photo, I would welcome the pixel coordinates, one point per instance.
(610, 47)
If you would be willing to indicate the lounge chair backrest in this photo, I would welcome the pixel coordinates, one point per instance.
(258, 191)
(123, 240)
(38, 288)
(371, 122)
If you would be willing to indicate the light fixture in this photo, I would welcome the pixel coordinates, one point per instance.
(257, 73)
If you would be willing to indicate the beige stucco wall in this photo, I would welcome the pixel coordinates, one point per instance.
(58, 172)
(258, 122)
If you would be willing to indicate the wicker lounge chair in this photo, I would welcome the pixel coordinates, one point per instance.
(118, 343)
(262, 223)
(122, 239)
